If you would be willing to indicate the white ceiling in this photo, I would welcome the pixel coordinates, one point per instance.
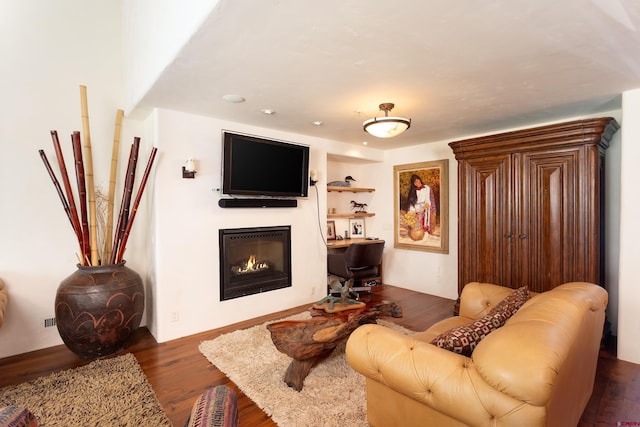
(455, 68)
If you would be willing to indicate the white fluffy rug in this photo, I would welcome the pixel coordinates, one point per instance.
(333, 393)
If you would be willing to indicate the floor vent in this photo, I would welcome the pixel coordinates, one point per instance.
(49, 322)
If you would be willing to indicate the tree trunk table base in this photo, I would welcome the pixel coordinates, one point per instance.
(309, 342)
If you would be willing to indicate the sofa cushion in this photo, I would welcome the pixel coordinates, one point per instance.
(463, 339)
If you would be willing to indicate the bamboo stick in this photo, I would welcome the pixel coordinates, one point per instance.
(56, 184)
(82, 193)
(75, 222)
(123, 217)
(108, 240)
(123, 245)
(89, 176)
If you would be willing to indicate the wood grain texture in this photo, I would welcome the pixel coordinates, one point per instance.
(531, 205)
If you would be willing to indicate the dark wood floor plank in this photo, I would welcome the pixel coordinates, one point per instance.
(178, 372)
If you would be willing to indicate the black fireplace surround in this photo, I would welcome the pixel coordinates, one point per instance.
(254, 260)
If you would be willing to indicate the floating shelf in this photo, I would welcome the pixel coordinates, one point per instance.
(350, 189)
(350, 215)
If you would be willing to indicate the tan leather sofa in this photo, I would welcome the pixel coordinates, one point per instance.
(536, 370)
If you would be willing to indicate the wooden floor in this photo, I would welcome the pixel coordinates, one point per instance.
(179, 373)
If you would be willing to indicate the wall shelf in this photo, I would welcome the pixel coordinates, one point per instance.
(350, 215)
(350, 189)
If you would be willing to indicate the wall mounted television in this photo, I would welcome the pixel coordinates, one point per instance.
(253, 166)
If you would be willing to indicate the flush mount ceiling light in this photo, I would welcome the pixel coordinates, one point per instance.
(233, 98)
(386, 127)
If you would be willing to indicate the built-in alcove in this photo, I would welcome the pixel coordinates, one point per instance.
(254, 260)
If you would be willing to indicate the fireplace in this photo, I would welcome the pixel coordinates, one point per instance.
(254, 260)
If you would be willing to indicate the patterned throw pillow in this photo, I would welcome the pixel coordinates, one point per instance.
(463, 339)
(511, 303)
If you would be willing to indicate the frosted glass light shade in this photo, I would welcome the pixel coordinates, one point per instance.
(386, 127)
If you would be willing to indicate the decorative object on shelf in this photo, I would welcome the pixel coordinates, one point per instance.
(359, 207)
(356, 228)
(101, 248)
(386, 127)
(189, 169)
(421, 206)
(345, 183)
(98, 308)
(331, 230)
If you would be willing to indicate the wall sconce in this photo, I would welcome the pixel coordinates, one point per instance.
(189, 169)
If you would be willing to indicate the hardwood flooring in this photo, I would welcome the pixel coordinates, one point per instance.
(179, 373)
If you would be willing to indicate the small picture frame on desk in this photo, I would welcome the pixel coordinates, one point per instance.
(356, 228)
(331, 230)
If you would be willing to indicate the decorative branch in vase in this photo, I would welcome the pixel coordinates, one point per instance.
(100, 305)
(85, 225)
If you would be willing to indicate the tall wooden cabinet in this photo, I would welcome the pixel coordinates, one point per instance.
(530, 205)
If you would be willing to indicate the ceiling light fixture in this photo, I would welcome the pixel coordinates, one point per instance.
(233, 98)
(386, 127)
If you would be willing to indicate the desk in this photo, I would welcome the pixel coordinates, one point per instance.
(345, 243)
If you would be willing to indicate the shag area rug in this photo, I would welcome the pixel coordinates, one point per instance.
(333, 393)
(106, 392)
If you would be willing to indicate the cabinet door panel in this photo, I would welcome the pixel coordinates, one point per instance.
(548, 245)
(485, 220)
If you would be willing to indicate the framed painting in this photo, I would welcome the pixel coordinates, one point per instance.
(331, 230)
(421, 206)
(356, 228)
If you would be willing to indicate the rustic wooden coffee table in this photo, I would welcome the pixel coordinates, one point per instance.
(308, 342)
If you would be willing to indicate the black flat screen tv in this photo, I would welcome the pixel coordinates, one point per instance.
(253, 166)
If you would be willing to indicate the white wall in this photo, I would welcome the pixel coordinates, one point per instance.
(629, 292)
(153, 33)
(187, 219)
(428, 272)
(48, 50)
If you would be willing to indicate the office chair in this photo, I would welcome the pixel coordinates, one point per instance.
(360, 262)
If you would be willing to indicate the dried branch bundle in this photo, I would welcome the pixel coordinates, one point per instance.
(89, 224)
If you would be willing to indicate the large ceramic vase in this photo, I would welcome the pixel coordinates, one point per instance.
(99, 308)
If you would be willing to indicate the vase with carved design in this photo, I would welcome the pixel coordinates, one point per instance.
(98, 308)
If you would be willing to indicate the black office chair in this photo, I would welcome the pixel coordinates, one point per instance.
(360, 262)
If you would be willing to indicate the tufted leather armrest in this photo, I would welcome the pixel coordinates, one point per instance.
(477, 299)
(4, 297)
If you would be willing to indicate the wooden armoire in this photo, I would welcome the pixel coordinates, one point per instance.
(530, 205)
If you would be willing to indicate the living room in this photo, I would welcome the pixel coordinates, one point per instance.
(114, 49)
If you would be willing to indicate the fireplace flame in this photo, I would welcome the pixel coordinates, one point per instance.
(250, 266)
(251, 262)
